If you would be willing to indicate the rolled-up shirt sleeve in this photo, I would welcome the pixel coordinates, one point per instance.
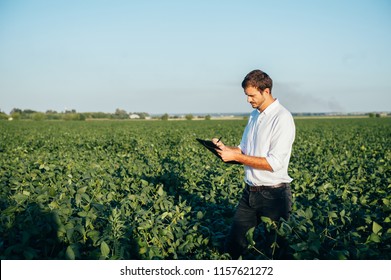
(283, 135)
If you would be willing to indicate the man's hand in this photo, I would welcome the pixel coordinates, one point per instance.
(218, 143)
(227, 154)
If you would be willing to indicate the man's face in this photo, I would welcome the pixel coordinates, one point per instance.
(254, 97)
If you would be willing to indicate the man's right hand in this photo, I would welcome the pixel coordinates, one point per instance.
(218, 143)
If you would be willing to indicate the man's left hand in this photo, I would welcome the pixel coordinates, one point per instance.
(227, 154)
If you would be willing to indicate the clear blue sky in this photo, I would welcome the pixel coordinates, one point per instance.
(191, 56)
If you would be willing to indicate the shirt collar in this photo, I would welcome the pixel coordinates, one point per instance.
(271, 107)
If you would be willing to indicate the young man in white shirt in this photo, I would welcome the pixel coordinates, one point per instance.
(265, 151)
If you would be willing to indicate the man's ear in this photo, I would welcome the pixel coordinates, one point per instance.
(266, 90)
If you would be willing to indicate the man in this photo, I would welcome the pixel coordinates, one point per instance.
(264, 150)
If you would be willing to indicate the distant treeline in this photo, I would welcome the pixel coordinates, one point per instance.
(371, 115)
(69, 115)
(120, 114)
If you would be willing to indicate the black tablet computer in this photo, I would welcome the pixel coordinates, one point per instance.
(213, 148)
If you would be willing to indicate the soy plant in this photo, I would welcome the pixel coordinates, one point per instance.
(115, 236)
(162, 227)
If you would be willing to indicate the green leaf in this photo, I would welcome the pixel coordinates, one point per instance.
(315, 246)
(332, 214)
(104, 249)
(82, 214)
(144, 183)
(308, 213)
(94, 235)
(374, 238)
(69, 253)
(20, 198)
(160, 191)
(266, 220)
(82, 190)
(142, 250)
(250, 236)
(376, 227)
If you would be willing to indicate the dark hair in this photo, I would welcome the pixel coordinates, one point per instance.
(258, 79)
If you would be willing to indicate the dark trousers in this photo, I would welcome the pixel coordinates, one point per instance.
(272, 202)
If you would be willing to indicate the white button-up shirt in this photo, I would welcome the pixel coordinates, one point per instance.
(269, 134)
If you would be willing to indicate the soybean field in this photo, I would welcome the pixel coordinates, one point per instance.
(149, 190)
